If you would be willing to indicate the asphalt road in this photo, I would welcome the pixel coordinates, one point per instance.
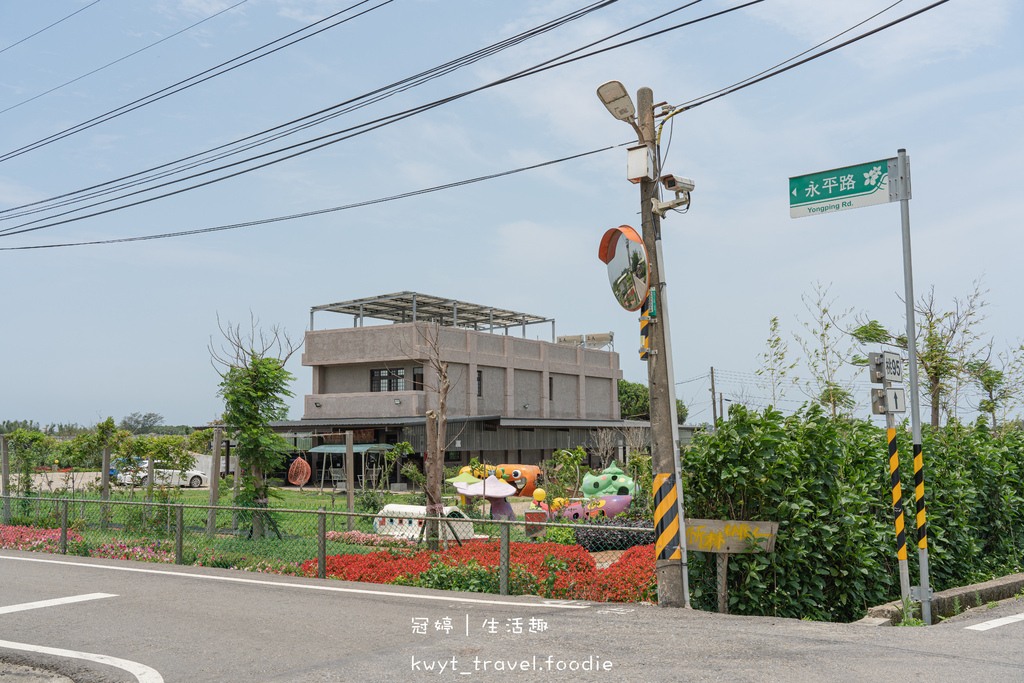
(199, 624)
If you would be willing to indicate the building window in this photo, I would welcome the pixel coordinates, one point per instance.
(551, 388)
(417, 378)
(479, 382)
(387, 380)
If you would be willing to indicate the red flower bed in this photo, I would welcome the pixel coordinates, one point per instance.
(576, 576)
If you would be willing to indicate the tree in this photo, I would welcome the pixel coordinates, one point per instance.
(605, 442)
(29, 450)
(254, 385)
(999, 380)
(946, 342)
(8, 426)
(775, 365)
(635, 402)
(437, 385)
(826, 351)
(137, 423)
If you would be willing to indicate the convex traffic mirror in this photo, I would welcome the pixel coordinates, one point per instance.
(622, 250)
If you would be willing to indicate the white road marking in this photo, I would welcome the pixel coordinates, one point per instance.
(335, 589)
(142, 672)
(52, 603)
(986, 625)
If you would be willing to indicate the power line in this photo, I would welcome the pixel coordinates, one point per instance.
(49, 27)
(776, 72)
(185, 84)
(395, 117)
(345, 134)
(361, 100)
(132, 54)
(307, 214)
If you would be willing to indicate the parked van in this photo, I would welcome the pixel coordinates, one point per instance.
(406, 521)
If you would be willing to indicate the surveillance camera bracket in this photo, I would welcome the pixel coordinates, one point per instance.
(661, 208)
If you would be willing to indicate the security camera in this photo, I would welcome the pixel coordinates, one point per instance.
(675, 183)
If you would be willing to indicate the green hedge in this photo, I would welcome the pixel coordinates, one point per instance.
(826, 482)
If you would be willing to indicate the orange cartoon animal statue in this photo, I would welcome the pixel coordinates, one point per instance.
(526, 478)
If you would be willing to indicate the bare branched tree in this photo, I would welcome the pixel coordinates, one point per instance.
(638, 439)
(437, 384)
(605, 442)
(237, 348)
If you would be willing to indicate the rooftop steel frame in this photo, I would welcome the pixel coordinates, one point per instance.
(409, 307)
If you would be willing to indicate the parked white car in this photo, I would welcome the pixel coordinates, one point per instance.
(163, 476)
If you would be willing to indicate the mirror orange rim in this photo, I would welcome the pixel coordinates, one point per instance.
(630, 292)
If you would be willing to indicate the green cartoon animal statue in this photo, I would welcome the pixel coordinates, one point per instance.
(611, 482)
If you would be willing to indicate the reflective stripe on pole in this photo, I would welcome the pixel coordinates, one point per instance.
(666, 518)
(897, 496)
(922, 527)
(645, 330)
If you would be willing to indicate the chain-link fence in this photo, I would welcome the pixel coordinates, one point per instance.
(599, 560)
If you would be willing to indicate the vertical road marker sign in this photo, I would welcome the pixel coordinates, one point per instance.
(897, 511)
(666, 518)
(645, 321)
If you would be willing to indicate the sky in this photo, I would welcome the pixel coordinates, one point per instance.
(106, 330)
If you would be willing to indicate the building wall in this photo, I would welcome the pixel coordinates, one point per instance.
(600, 397)
(493, 400)
(516, 373)
(528, 398)
(563, 395)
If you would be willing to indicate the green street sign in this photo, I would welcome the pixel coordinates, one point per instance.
(842, 188)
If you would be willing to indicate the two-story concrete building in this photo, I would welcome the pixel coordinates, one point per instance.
(511, 399)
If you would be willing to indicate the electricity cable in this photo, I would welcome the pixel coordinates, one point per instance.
(49, 27)
(170, 90)
(731, 90)
(317, 212)
(525, 72)
(398, 86)
(782, 63)
(131, 54)
(325, 140)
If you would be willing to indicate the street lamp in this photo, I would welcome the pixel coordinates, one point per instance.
(620, 105)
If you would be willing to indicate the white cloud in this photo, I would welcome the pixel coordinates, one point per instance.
(16, 194)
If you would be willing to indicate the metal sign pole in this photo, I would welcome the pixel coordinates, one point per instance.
(903, 170)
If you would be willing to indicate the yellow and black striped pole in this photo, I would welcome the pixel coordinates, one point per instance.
(897, 510)
(922, 536)
(645, 330)
(666, 518)
(922, 526)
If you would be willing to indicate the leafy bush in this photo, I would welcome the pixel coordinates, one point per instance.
(471, 577)
(827, 483)
(824, 481)
(370, 500)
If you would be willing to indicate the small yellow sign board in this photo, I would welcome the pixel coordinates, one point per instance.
(718, 536)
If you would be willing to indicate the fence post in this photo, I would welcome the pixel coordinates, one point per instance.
(350, 478)
(236, 477)
(179, 532)
(64, 527)
(321, 534)
(504, 560)
(105, 487)
(5, 479)
(722, 560)
(211, 518)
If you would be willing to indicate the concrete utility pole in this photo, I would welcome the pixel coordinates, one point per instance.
(714, 409)
(673, 577)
